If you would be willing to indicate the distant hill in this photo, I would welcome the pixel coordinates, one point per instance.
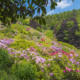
(66, 26)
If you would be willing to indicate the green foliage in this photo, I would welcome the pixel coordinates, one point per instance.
(38, 56)
(24, 70)
(19, 44)
(67, 46)
(77, 33)
(58, 73)
(70, 24)
(9, 32)
(73, 76)
(39, 29)
(26, 21)
(5, 59)
(3, 75)
(66, 26)
(49, 34)
(11, 10)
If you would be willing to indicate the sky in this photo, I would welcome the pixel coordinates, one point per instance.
(64, 5)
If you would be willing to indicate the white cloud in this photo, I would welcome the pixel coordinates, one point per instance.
(50, 12)
(63, 4)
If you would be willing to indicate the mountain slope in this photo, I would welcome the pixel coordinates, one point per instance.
(31, 55)
(66, 26)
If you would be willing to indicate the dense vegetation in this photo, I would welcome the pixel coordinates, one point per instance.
(27, 54)
(31, 51)
(11, 10)
(66, 26)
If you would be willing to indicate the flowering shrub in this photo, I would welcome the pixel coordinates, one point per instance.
(41, 59)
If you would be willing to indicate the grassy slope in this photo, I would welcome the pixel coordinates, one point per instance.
(25, 37)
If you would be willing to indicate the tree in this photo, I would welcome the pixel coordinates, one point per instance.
(10, 10)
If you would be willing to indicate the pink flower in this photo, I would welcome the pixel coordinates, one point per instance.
(67, 54)
(28, 29)
(54, 53)
(48, 65)
(68, 69)
(42, 39)
(39, 44)
(77, 70)
(64, 71)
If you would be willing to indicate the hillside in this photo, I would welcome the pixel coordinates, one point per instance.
(66, 26)
(33, 55)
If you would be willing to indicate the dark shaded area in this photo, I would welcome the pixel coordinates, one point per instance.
(34, 24)
(69, 35)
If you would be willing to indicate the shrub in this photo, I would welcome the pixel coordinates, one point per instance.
(73, 76)
(24, 70)
(5, 59)
(77, 33)
(19, 44)
(49, 34)
(5, 76)
(26, 21)
(67, 45)
(39, 29)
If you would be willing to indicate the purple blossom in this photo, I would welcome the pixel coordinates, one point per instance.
(77, 62)
(53, 42)
(51, 74)
(59, 55)
(22, 55)
(12, 53)
(76, 55)
(56, 48)
(72, 60)
(32, 49)
(37, 59)
(26, 57)
(6, 41)
(2, 45)
(40, 59)
(71, 55)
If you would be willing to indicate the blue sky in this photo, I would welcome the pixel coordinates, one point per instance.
(64, 5)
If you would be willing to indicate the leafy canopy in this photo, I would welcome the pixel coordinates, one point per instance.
(10, 10)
